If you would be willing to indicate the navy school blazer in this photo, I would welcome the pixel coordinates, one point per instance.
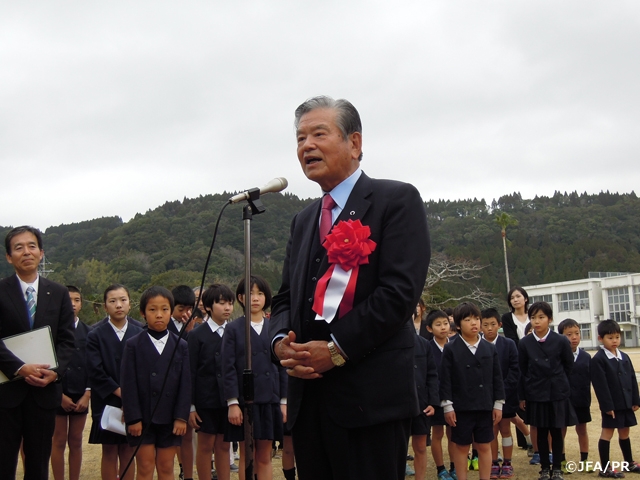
(580, 380)
(207, 377)
(76, 377)
(508, 355)
(471, 382)
(426, 374)
(614, 382)
(143, 371)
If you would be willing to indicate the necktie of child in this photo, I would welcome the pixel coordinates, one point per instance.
(31, 305)
(325, 216)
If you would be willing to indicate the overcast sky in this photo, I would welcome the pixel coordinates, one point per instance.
(113, 108)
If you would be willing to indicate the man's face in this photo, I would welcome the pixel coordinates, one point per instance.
(325, 156)
(25, 254)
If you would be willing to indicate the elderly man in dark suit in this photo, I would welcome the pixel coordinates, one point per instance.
(28, 404)
(341, 322)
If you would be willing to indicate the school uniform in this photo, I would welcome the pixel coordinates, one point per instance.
(473, 382)
(545, 368)
(426, 377)
(207, 377)
(270, 382)
(143, 372)
(131, 320)
(176, 326)
(438, 416)
(75, 379)
(104, 354)
(508, 357)
(616, 387)
(580, 382)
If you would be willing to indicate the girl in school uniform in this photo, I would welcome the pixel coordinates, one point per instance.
(546, 360)
(269, 405)
(105, 345)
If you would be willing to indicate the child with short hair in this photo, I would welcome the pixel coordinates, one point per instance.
(209, 412)
(471, 390)
(105, 344)
(71, 416)
(156, 417)
(437, 324)
(508, 356)
(269, 406)
(580, 382)
(546, 361)
(614, 381)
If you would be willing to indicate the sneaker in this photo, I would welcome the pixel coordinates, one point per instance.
(453, 474)
(408, 471)
(236, 455)
(469, 464)
(563, 467)
(214, 474)
(530, 451)
(544, 475)
(495, 471)
(557, 475)
(474, 464)
(506, 471)
(633, 467)
(444, 475)
(181, 474)
(535, 459)
(611, 474)
(234, 468)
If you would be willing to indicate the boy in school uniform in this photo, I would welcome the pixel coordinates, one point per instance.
(209, 412)
(184, 301)
(508, 356)
(580, 382)
(471, 390)
(614, 381)
(158, 416)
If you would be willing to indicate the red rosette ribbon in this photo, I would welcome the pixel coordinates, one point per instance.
(348, 246)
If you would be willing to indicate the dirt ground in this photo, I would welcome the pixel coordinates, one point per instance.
(524, 471)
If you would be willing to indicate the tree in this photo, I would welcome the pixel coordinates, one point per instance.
(505, 220)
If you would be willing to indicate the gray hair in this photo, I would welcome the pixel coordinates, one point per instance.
(347, 120)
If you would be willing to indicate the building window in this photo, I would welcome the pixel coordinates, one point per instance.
(636, 292)
(571, 301)
(540, 298)
(619, 308)
(628, 335)
(585, 331)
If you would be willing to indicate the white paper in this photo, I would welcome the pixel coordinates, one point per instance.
(112, 420)
(34, 346)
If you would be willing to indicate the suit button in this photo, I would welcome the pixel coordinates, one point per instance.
(155, 393)
(219, 375)
(313, 279)
(317, 260)
(310, 300)
(264, 351)
(480, 386)
(153, 374)
(217, 353)
(415, 366)
(468, 366)
(267, 374)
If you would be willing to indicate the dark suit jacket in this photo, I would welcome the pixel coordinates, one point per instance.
(53, 309)
(471, 382)
(205, 353)
(544, 368)
(508, 355)
(614, 382)
(104, 356)
(580, 380)
(142, 374)
(377, 335)
(426, 374)
(509, 328)
(269, 380)
(76, 377)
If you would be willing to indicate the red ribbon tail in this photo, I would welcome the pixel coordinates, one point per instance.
(321, 290)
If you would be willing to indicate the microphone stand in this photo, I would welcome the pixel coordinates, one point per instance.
(256, 207)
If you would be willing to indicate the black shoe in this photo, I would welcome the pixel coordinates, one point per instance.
(557, 475)
(544, 474)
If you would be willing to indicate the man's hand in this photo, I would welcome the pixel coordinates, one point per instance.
(179, 427)
(37, 374)
(429, 411)
(450, 418)
(235, 415)
(67, 404)
(135, 430)
(195, 420)
(304, 360)
(497, 416)
(83, 403)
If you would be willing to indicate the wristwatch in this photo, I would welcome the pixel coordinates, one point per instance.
(336, 357)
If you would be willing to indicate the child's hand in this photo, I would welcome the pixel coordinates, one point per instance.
(497, 416)
(135, 430)
(429, 411)
(195, 420)
(283, 409)
(612, 413)
(67, 404)
(235, 415)
(450, 418)
(523, 405)
(635, 407)
(179, 427)
(83, 403)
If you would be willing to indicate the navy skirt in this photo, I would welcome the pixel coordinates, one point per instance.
(267, 424)
(556, 414)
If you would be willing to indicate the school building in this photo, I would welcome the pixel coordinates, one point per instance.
(602, 296)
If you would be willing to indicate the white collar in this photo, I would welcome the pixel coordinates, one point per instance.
(471, 345)
(24, 285)
(214, 326)
(610, 356)
(543, 338)
(495, 340)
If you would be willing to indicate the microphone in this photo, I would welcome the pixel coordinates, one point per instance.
(275, 185)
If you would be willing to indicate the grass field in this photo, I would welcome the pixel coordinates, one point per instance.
(524, 471)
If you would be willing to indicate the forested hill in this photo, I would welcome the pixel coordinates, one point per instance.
(558, 238)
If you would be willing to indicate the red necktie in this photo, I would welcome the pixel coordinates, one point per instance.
(325, 216)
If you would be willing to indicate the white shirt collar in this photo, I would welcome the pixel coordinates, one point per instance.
(178, 324)
(617, 356)
(341, 192)
(543, 338)
(495, 340)
(24, 285)
(472, 347)
(119, 331)
(215, 328)
(438, 345)
(160, 343)
(258, 326)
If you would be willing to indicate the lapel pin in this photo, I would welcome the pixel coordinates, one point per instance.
(352, 212)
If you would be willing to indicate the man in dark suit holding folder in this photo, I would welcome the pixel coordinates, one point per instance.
(27, 405)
